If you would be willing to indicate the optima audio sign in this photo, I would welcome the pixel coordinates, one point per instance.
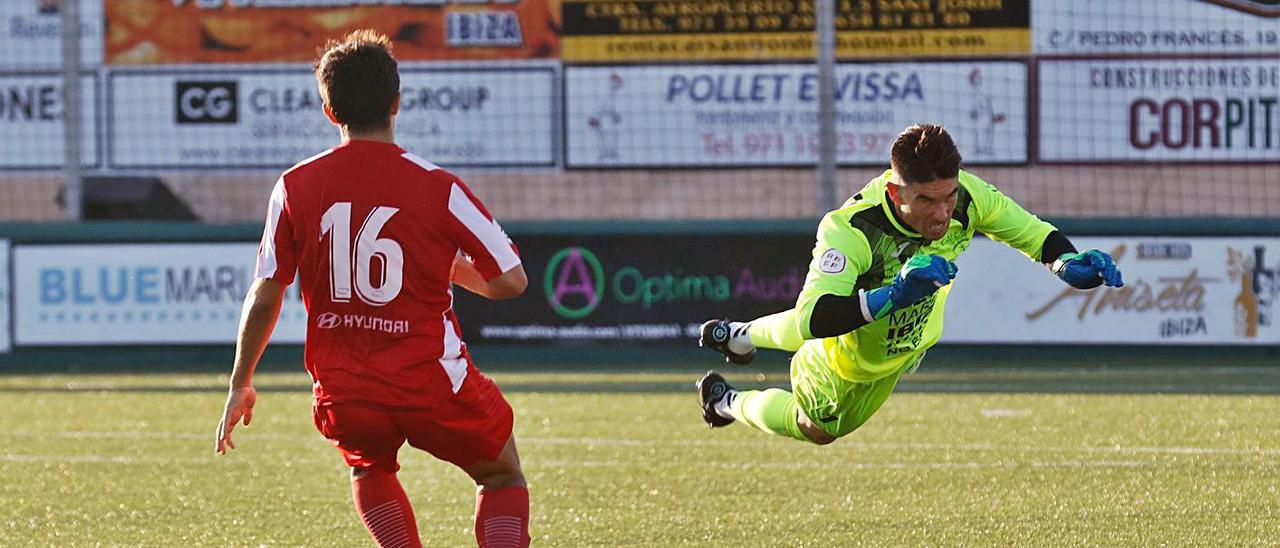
(612, 289)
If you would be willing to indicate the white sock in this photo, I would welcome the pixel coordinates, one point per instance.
(739, 338)
(722, 406)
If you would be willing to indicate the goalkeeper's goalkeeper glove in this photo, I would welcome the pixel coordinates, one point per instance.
(920, 277)
(1088, 270)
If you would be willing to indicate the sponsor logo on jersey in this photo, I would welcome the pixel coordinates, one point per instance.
(328, 320)
(331, 320)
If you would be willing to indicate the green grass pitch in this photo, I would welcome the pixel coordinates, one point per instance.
(1035, 457)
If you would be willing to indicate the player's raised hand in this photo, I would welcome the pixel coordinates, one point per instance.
(1088, 270)
(239, 407)
(920, 277)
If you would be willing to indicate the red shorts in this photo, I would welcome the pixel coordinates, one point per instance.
(470, 427)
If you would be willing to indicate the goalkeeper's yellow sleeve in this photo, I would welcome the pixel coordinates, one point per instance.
(1003, 220)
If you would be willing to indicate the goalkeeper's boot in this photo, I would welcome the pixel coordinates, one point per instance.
(716, 335)
(712, 388)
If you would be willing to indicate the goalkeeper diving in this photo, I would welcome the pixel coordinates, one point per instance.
(873, 299)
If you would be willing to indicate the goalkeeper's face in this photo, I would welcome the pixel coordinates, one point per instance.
(926, 207)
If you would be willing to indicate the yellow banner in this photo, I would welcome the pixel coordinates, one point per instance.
(752, 30)
(796, 45)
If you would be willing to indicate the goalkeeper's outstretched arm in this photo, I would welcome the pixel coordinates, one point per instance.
(1003, 220)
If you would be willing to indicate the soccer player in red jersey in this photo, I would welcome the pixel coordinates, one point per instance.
(378, 237)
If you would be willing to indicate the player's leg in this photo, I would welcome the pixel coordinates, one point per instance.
(738, 341)
(833, 404)
(384, 507)
(369, 440)
(773, 410)
(473, 430)
(502, 500)
(777, 331)
(821, 407)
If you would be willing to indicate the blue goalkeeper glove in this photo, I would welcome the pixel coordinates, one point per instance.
(1088, 270)
(920, 277)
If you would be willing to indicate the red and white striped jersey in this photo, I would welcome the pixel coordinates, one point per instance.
(372, 232)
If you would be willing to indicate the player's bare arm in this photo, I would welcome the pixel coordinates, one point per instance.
(508, 285)
(257, 320)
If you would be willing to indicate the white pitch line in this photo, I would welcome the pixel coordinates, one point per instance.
(79, 435)
(702, 442)
(580, 464)
(1086, 449)
(563, 463)
(98, 459)
(1003, 412)
(1068, 389)
(928, 446)
(876, 466)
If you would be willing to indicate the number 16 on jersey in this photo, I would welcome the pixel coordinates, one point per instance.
(346, 263)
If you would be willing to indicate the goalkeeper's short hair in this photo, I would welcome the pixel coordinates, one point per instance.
(924, 153)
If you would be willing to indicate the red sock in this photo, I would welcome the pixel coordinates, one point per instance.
(502, 517)
(385, 509)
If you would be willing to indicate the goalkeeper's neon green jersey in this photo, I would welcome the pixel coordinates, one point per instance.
(862, 245)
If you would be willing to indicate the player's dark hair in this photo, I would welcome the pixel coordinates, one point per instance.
(359, 79)
(924, 153)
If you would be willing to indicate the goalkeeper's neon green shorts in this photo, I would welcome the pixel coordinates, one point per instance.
(837, 405)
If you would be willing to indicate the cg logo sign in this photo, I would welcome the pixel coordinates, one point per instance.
(574, 282)
(206, 102)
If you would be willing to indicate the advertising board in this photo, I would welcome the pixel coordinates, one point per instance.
(149, 32)
(1159, 110)
(1177, 291)
(615, 31)
(766, 115)
(638, 288)
(32, 121)
(273, 118)
(1090, 27)
(31, 34)
(138, 294)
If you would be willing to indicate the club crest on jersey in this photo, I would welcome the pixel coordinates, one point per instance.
(832, 262)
